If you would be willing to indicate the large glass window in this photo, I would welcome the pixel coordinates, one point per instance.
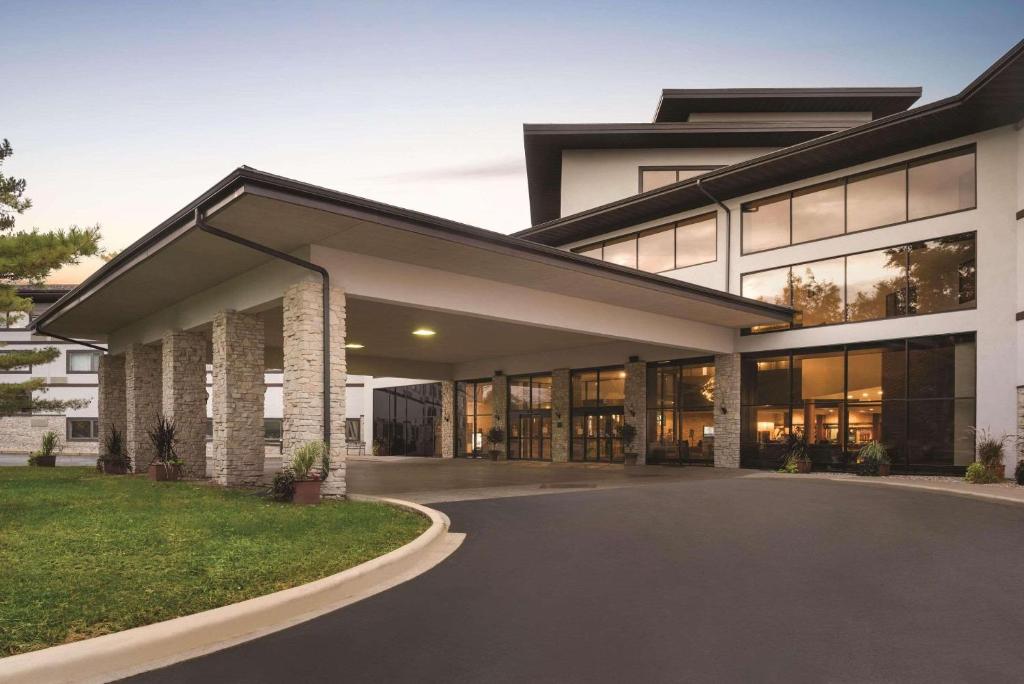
(658, 177)
(406, 420)
(876, 199)
(941, 185)
(529, 420)
(597, 414)
(765, 224)
(876, 284)
(697, 241)
(818, 292)
(942, 275)
(680, 412)
(656, 250)
(621, 251)
(915, 396)
(819, 212)
(929, 186)
(476, 404)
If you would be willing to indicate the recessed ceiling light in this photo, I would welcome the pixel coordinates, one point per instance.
(354, 345)
(424, 332)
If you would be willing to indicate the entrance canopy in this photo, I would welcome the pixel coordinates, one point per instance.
(490, 298)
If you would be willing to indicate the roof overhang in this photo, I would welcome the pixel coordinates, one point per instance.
(177, 260)
(995, 98)
(544, 144)
(677, 104)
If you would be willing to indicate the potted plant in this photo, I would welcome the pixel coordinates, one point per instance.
(794, 453)
(1018, 474)
(46, 455)
(872, 459)
(496, 436)
(114, 460)
(990, 452)
(165, 466)
(628, 433)
(306, 481)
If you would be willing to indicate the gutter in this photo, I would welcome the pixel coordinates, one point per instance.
(728, 230)
(325, 278)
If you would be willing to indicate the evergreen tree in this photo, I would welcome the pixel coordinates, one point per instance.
(27, 257)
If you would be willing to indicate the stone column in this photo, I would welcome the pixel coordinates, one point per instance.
(448, 418)
(238, 389)
(143, 392)
(184, 397)
(561, 414)
(303, 376)
(1020, 427)
(500, 405)
(111, 407)
(635, 406)
(727, 410)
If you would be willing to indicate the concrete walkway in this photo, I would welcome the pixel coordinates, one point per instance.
(702, 579)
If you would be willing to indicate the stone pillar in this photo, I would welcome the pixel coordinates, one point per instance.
(303, 376)
(561, 414)
(500, 405)
(635, 406)
(111, 407)
(238, 389)
(448, 419)
(184, 397)
(727, 410)
(1020, 429)
(143, 393)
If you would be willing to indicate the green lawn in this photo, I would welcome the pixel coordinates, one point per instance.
(83, 554)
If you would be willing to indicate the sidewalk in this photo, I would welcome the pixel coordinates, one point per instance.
(1007, 490)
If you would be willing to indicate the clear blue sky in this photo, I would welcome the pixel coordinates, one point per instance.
(120, 113)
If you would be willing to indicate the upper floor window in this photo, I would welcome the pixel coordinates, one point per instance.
(929, 186)
(923, 277)
(80, 361)
(654, 177)
(27, 368)
(677, 245)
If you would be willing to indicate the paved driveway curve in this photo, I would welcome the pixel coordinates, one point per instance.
(705, 580)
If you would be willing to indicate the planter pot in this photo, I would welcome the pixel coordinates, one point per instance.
(997, 469)
(631, 459)
(112, 468)
(803, 466)
(307, 492)
(884, 469)
(46, 461)
(162, 473)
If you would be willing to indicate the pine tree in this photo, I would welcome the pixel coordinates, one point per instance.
(27, 257)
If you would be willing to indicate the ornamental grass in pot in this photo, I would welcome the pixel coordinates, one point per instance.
(796, 458)
(46, 455)
(873, 459)
(990, 452)
(310, 465)
(165, 466)
(114, 460)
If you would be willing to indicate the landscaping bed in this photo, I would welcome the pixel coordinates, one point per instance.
(83, 554)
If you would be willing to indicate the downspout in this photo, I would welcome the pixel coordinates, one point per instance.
(728, 231)
(202, 225)
(68, 339)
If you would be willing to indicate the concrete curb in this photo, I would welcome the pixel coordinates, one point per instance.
(883, 482)
(122, 654)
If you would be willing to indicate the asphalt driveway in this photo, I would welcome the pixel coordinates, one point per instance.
(706, 579)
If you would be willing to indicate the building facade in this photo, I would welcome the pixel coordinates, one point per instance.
(833, 263)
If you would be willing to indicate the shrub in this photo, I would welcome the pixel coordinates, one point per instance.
(306, 457)
(628, 433)
(870, 457)
(1019, 473)
(113, 451)
(164, 437)
(283, 486)
(495, 435)
(989, 447)
(50, 446)
(977, 473)
(794, 450)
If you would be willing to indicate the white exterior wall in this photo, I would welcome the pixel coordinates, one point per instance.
(591, 178)
(1000, 262)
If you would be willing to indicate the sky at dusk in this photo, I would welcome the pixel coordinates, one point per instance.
(122, 113)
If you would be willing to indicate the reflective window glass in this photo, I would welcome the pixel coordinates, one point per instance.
(696, 241)
(621, 251)
(656, 249)
(818, 292)
(819, 212)
(876, 284)
(941, 185)
(765, 224)
(876, 199)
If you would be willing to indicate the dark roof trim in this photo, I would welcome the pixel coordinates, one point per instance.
(944, 119)
(246, 179)
(676, 104)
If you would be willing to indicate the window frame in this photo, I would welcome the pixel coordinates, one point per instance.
(14, 371)
(67, 361)
(906, 288)
(970, 148)
(663, 227)
(671, 167)
(94, 430)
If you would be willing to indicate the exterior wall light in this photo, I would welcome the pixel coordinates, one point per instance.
(354, 345)
(424, 332)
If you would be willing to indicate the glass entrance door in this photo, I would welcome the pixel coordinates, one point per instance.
(597, 437)
(530, 437)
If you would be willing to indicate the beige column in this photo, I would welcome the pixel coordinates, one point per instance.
(303, 394)
(561, 415)
(238, 391)
(500, 406)
(143, 394)
(635, 406)
(111, 407)
(448, 419)
(184, 397)
(727, 410)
